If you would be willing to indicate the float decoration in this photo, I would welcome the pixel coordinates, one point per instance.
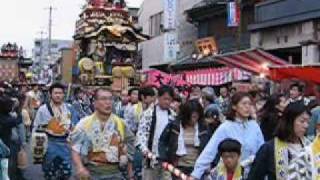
(106, 34)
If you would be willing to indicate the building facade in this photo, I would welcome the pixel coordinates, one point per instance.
(172, 36)
(42, 61)
(211, 18)
(41, 50)
(289, 29)
(63, 69)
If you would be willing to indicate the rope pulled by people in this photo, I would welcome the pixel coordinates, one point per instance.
(168, 167)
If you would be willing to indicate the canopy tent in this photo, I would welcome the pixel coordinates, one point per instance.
(255, 61)
(215, 76)
(309, 73)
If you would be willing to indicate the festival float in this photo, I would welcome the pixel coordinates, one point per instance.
(13, 65)
(107, 41)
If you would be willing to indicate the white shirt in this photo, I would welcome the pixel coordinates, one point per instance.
(161, 123)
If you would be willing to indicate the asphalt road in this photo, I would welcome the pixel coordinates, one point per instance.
(33, 172)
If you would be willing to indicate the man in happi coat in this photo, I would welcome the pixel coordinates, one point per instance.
(56, 120)
(102, 144)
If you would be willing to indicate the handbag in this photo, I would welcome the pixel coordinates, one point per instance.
(22, 159)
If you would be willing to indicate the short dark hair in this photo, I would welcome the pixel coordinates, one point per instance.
(166, 89)
(147, 91)
(235, 99)
(299, 86)
(229, 145)
(212, 112)
(186, 111)
(133, 89)
(6, 104)
(285, 131)
(96, 92)
(56, 86)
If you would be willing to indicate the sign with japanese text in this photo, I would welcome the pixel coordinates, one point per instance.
(169, 14)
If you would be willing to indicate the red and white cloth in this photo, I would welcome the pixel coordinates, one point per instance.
(216, 76)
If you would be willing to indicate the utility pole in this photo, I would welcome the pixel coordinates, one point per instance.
(50, 30)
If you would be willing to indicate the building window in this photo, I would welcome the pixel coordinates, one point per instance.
(37, 43)
(54, 46)
(278, 40)
(285, 39)
(155, 24)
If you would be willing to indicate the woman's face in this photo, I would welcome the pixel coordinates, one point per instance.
(243, 108)
(194, 117)
(300, 124)
(282, 104)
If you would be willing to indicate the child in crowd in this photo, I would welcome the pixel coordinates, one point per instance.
(229, 167)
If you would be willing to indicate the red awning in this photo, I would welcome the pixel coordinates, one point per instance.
(310, 73)
(254, 60)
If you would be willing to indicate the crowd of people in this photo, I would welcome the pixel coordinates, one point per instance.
(104, 134)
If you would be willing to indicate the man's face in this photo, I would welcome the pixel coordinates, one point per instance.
(35, 88)
(134, 97)
(165, 101)
(81, 95)
(224, 92)
(196, 92)
(149, 99)
(205, 103)
(57, 95)
(294, 92)
(124, 97)
(230, 160)
(116, 93)
(103, 102)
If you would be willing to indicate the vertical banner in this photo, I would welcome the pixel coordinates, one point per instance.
(169, 14)
(170, 47)
(234, 14)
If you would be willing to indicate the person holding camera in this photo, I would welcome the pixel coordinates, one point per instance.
(10, 131)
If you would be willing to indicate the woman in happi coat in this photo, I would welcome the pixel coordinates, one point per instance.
(307, 164)
(274, 157)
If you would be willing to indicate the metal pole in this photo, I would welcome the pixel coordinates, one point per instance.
(50, 32)
(240, 26)
(41, 47)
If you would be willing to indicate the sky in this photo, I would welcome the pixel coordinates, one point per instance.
(23, 20)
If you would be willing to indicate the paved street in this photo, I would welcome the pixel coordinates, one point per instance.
(33, 172)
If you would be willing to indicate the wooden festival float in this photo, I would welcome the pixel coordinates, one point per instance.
(107, 42)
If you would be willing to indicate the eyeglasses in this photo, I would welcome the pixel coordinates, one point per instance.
(105, 98)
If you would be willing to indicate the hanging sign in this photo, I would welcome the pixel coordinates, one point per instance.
(233, 14)
(170, 47)
(170, 9)
(207, 46)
